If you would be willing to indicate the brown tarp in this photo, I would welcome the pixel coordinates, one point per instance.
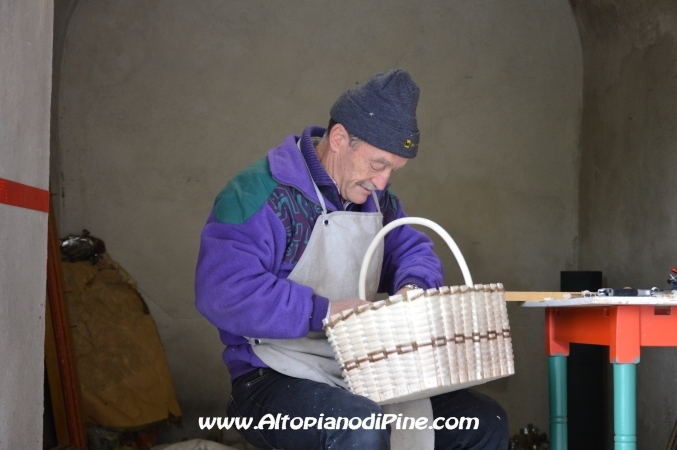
(121, 363)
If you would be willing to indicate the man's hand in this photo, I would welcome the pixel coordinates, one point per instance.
(402, 291)
(340, 305)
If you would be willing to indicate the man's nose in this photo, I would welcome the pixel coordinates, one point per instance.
(381, 180)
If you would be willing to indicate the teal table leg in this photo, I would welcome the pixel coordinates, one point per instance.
(557, 367)
(625, 406)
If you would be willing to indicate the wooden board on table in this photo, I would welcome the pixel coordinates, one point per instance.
(534, 296)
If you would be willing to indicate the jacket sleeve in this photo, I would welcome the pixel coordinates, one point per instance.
(236, 284)
(408, 253)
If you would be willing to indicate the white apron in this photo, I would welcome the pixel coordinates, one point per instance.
(331, 266)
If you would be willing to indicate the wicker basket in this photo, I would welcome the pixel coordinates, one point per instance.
(425, 343)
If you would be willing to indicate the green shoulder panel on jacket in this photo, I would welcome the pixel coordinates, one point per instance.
(388, 201)
(245, 194)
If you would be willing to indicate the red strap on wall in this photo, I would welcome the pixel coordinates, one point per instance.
(23, 196)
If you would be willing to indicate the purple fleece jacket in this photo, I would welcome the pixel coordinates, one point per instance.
(256, 233)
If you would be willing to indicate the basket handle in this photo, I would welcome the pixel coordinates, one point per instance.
(414, 221)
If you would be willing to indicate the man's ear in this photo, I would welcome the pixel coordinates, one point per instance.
(338, 138)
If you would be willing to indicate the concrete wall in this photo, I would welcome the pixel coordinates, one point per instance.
(628, 139)
(25, 81)
(161, 103)
(63, 10)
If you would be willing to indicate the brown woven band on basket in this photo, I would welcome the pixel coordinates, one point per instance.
(381, 354)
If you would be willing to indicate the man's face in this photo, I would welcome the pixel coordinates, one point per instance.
(363, 168)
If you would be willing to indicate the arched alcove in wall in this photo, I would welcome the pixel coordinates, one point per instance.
(161, 103)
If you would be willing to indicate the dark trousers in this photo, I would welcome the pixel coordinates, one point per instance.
(265, 391)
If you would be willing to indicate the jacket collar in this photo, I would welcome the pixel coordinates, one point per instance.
(292, 167)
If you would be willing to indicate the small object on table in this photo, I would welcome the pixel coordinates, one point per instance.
(673, 278)
(624, 292)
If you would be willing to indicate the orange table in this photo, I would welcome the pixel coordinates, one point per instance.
(619, 324)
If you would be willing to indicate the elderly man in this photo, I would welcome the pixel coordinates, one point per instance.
(281, 251)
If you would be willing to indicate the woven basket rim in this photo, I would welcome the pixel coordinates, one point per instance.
(410, 296)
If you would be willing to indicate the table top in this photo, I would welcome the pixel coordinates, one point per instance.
(551, 302)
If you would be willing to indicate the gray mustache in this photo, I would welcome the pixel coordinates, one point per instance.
(369, 185)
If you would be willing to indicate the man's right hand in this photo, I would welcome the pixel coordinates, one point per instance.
(337, 306)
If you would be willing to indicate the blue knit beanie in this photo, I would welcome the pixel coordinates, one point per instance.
(382, 112)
